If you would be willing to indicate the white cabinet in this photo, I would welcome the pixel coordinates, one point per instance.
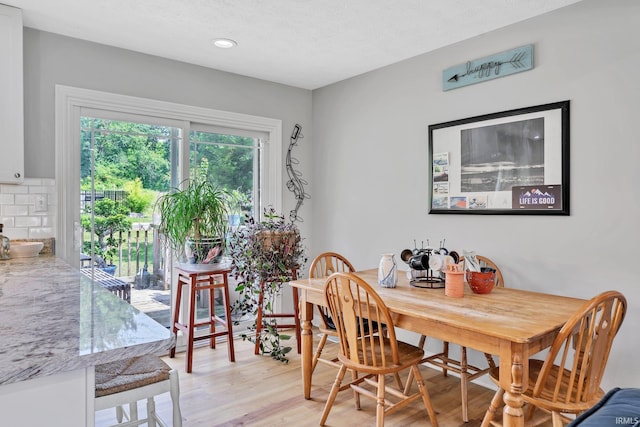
(63, 399)
(11, 94)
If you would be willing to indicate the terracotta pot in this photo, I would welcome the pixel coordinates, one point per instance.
(481, 283)
(277, 239)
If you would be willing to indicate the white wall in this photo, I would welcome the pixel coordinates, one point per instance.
(370, 176)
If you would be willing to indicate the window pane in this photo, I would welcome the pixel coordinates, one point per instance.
(228, 161)
(124, 167)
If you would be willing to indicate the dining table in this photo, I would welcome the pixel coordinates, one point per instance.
(513, 324)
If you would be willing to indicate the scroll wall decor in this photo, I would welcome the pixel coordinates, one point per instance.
(296, 183)
(513, 162)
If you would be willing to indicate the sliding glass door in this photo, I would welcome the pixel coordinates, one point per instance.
(116, 154)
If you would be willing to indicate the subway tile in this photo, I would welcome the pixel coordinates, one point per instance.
(32, 181)
(48, 220)
(15, 210)
(25, 199)
(34, 212)
(28, 221)
(7, 199)
(16, 233)
(41, 233)
(41, 190)
(13, 189)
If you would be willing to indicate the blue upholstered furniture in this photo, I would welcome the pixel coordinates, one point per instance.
(619, 407)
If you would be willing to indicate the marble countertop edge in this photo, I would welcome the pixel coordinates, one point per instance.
(54, 320)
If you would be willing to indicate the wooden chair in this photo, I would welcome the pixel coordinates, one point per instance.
(324, 265)
(466, 371)
(354, 307)
(568, 380)
(130, 380)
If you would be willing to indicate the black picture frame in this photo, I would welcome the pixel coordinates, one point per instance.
(514, 162)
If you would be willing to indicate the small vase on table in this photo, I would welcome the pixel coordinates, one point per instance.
(388, 271)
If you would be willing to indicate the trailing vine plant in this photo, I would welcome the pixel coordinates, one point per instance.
(264, 252)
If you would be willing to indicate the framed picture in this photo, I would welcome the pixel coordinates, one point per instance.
(514, 162)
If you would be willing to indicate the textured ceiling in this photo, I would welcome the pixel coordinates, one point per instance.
(302, 43)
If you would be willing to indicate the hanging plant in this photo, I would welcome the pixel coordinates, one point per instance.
(264, 252)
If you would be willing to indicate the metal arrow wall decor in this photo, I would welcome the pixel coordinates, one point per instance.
(488, 68)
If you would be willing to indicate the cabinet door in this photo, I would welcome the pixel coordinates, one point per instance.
(11, 104)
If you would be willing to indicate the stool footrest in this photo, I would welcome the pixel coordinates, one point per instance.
(279, 315)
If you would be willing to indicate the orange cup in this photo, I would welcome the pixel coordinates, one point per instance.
(454, 284)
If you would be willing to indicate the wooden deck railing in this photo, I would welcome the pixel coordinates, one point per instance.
(141, 256)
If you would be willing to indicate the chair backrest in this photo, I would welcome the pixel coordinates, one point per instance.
(580, 351)
(486, 262)
(357, 309)
(327, 263)
(324, 265)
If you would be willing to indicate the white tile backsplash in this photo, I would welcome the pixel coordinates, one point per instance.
(21, 217)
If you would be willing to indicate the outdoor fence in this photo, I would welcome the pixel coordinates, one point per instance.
(86, 197)
(141, 256)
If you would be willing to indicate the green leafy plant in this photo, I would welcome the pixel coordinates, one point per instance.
(264, 253)
(196, 212)
(110, 218)
(138, 199)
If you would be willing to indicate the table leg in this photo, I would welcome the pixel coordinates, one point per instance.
(513, 415)
(296, 310)
(306, 315)
(296, 306)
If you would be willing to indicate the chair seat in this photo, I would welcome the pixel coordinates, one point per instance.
(128, 374)
(127, 381)
(408, 354)
(331, 327)
(535, 366)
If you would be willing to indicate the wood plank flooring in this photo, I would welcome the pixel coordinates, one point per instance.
(258, 391)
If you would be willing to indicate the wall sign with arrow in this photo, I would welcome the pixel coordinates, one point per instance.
(488, 68)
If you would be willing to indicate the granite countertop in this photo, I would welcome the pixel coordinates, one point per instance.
(52, 319)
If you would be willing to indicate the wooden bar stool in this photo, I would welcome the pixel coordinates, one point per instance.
(295, 315)
(200, 280)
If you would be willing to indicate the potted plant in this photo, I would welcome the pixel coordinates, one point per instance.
(238, 203)
(107, 219)
(264, 252)
(194, 221)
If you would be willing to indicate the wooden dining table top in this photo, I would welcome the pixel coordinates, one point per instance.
(506, 313)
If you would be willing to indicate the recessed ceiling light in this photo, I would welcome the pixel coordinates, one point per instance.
(225, 43)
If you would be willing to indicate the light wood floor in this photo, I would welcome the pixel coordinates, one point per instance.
(258, 391)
